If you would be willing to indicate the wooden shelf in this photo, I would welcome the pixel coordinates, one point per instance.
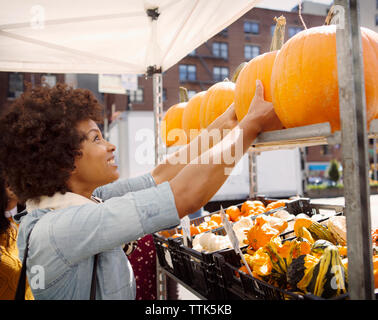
(306, 136)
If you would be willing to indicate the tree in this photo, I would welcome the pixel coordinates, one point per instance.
(333, 171)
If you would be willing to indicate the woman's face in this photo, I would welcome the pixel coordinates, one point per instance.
(96, 166)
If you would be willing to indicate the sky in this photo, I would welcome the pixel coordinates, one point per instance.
(286, 5)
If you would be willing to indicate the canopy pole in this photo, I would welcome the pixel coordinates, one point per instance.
(354, 149)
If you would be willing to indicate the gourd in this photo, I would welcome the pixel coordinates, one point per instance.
(323, 275)
(304, 80)
(337, 227)
(317, 230)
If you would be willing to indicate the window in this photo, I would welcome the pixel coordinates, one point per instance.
(193, 53)
(191, 93)
(187, 72)
(220, 73)
(294, 30)
(220, 49)
(272, 27)
(15, 85)
(325, 150)
(251, 27)
(136, 96)
(376, 19)
(251, 51)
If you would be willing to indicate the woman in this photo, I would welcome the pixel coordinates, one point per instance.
(10, 265)
(59, 164)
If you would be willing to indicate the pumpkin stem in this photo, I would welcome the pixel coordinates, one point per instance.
(279, 34)
(330, 15)
(300, 14)
(183, 94)
(237, 71)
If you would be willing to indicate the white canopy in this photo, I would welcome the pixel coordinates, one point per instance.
(112, 36)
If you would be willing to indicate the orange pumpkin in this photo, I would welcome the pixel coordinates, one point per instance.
(191, 115)
(171, 127)
(260, 68)
(304, 80)
(275, 205)
(233, 212)
(216, 100)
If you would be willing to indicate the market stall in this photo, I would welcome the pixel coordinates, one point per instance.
(352, 135)
(148, 37)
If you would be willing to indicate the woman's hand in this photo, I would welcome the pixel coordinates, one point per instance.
(262, 111)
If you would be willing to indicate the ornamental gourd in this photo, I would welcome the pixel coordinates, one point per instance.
(190, 117)
(304, 80)
(172, 132)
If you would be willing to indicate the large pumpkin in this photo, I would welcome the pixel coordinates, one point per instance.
(304, 80)
(216, 100)
(260, 68)
(190, 117)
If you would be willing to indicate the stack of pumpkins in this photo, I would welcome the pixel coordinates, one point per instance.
(300, 79)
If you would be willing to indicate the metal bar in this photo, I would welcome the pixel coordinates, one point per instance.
(157, 87)
(355, 152)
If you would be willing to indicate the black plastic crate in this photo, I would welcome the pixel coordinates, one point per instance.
(169, 256)
(237, 285)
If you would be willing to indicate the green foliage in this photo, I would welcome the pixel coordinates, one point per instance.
(333, 171)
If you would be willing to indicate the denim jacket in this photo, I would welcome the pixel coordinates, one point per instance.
(68, 230)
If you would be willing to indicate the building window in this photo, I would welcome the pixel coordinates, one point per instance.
(294, 30)
(220, 49)
(48, 80)
(136, 96)
(272, 27)
(325, 150)
(193, 53)
(251, 27)
(251, 51)
(15, 85)
(376, 19)
(191, 93)
(220, 73)
(187, 72)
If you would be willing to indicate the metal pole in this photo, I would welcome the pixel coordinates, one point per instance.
(157, 87)
(355, 150)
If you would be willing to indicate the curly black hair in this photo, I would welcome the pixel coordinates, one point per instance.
(40, 142)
